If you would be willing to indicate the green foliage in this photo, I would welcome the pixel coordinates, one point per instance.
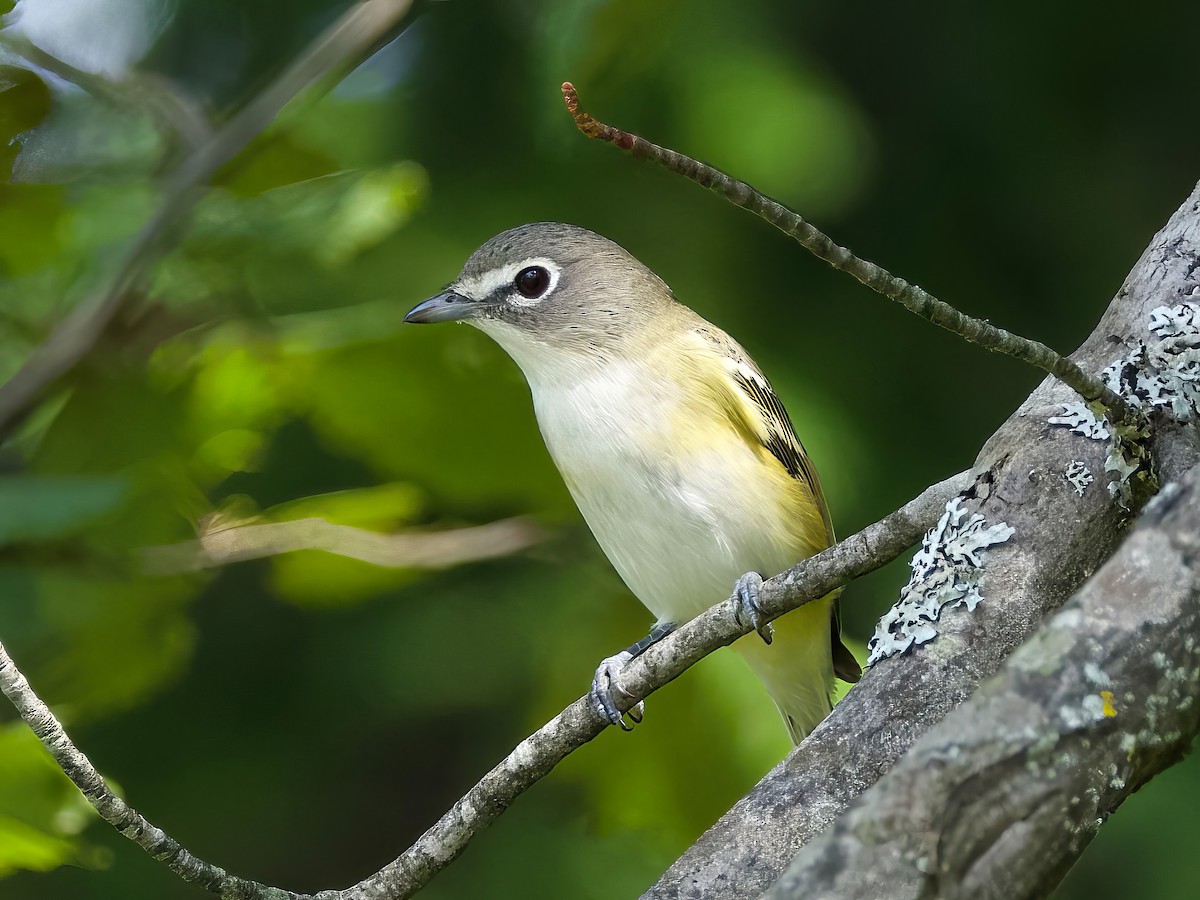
(38, 508)
(41, 813)
(266, 376)
(24, 102)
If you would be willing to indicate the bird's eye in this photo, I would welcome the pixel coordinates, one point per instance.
(532, 282)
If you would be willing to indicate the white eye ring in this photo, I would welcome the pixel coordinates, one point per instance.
(532, 282)
(546, 287)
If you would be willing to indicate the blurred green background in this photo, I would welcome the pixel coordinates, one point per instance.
(300, 719)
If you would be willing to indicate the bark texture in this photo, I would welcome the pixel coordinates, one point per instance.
(1001, 797)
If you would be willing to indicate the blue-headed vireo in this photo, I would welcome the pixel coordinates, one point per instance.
(677, 451)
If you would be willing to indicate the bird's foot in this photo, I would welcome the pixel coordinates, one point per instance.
(606, 683)
(747, 608)
(606, 686)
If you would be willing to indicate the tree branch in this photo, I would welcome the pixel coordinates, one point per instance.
(1000, 798)
(1060, 538)
(354, 34)
(535, 756)
(409, 550)
(913, 298)
(139, 92)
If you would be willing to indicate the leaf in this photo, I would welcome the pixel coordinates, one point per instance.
(41, 811)
(40, 507)
(24, 103)
(287, 249)
(32, 220)
(271, 161)
(383, 506)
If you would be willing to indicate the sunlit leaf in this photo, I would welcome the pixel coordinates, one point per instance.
(317, 578)
(41, 811)
(381, 506)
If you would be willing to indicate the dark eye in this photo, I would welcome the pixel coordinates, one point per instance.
(532, 282)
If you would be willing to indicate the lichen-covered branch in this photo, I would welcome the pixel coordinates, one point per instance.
(535, 756)
(1000, 798)
(355, 34)
(1029, 479)
(913, 298)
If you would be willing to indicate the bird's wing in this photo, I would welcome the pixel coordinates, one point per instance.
(759, 411)
(777, 433)
(765, 417)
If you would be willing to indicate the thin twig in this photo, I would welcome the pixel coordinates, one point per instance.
(913, 298)
(533, 758)
(357, 32)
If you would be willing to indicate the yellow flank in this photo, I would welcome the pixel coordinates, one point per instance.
(797, 667)
(706, 364)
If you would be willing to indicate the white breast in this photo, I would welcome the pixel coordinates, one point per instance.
(680, 508)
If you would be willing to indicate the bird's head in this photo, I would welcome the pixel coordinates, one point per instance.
(549, 288)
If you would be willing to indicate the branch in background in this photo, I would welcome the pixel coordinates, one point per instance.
(355, 34)
(426, 550)
(534, 757)
(913, 298)
(139, 92)
(1002, 796)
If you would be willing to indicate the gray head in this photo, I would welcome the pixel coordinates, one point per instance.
(557, 286)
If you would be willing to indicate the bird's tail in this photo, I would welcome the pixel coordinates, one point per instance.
(797, 666)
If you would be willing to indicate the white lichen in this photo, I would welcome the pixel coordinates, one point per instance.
(1081, 420)
(1163, 374)
(1079, 476)
(1068, 619)
(946, 572)
(1094, 707)
(1094, 674)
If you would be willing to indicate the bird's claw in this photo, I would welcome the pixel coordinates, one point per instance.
(747, 608)
(606, 685)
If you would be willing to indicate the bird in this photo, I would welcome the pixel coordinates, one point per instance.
(673, 445)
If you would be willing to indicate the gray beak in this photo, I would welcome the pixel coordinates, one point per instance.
(447, 306)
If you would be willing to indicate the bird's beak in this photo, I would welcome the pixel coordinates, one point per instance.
(448, 306)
